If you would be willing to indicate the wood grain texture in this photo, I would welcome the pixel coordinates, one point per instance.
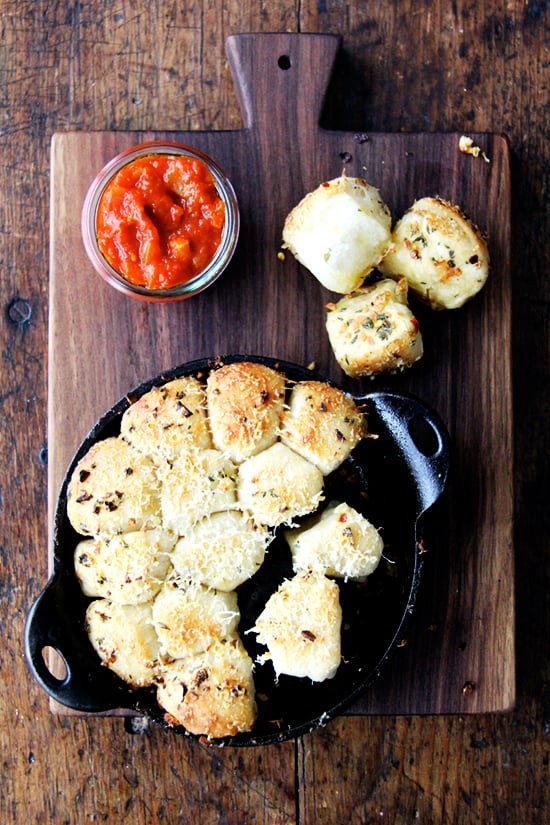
(425, 66)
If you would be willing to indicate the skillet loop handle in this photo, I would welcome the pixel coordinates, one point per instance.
(421, 438)
(48, 632)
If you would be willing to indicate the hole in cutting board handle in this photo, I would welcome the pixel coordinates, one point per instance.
(284, 62)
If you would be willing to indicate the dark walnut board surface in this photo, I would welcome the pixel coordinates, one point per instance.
(459, 654)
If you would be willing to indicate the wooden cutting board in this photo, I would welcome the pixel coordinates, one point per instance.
(459, 656)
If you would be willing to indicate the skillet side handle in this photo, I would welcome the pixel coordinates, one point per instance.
(422, 440)
(79, 687)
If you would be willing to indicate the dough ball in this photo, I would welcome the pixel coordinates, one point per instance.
(199, 483)
(127, 568)
(300, 626)
(441, 254)
(373, 330)
(124, 639)
(222, 551)
(340, 232)
(322, 424)
(277, 485)
(188, 617)
(339, 542)
(168, 419)
(211, 694)
(113, 489)
(245, 405)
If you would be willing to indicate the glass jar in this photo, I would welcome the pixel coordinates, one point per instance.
(221, 256)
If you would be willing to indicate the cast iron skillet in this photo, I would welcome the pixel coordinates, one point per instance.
(392, 479)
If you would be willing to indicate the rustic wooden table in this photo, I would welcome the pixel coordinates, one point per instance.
(405, 67)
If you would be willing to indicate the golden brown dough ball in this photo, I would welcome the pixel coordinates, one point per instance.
(441, 254)
(211, 694)
(373, 330)
(188, 617)
(113, 489)
(322, 424)
(168, 419)
(245, 405)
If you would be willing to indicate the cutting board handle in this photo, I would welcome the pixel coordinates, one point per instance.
(282, 76)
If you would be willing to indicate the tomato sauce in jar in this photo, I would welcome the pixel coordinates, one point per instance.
(160, 220)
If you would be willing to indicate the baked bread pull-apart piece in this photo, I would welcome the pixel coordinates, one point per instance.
(113, 489)
(199, 483)
(168, 420)
(127, 568)
(245, 405)
(278, 485)
(188, 617)
(211, 694)
(373, 330)
(340, 232)
(440, 252)
(222, 551)
(300, 626)
(322, 424)
(339, 542)
(125, 640)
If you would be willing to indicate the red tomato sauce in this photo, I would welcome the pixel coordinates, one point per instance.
(160, 220)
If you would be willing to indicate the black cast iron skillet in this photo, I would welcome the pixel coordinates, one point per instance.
(392, 479)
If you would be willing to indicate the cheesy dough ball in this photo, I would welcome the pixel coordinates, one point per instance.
(340, 542)
(222, 551)
(113, 489)
(300, 626)
(374, 331)
(199, 483)
(340, 232)
(211, 694)
(126, 568)
(245, 405)
(277, 485)
(124, 638)
(168, 419)
(441, 254)
(322, 424)
(188, 617)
